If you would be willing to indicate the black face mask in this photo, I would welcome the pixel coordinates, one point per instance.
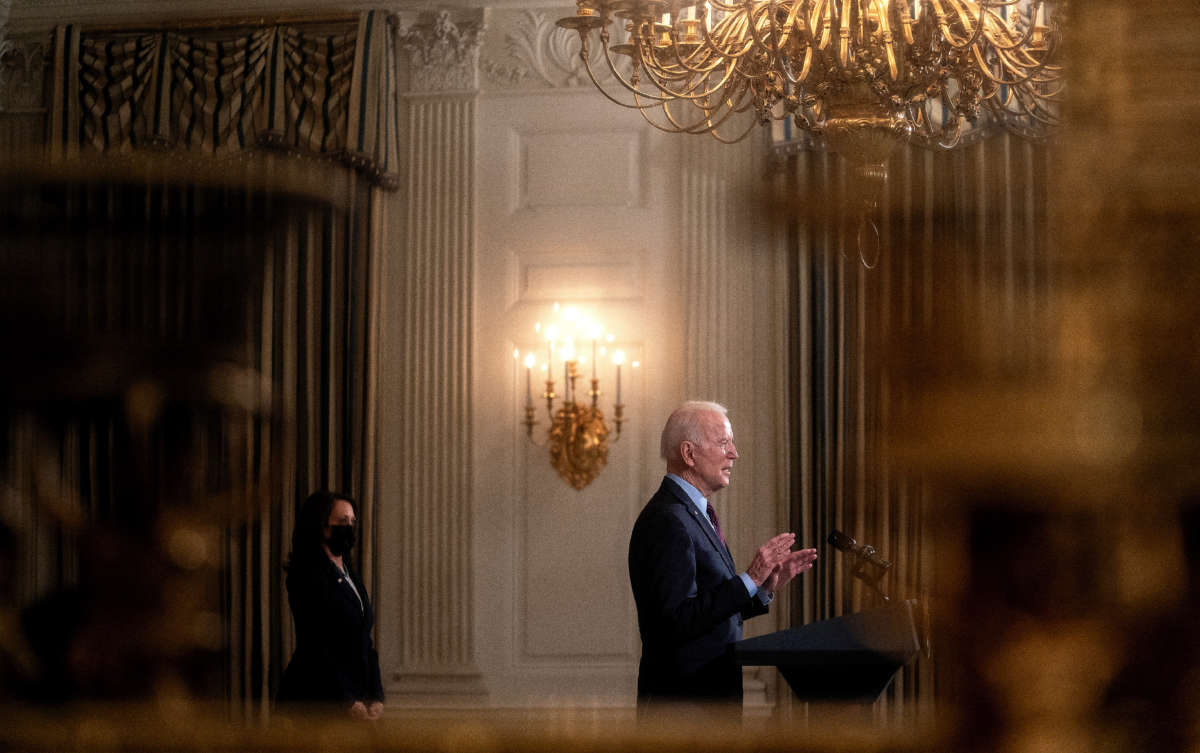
(341, 540)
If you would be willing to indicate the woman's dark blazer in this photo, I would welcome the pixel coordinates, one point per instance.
(335, 659)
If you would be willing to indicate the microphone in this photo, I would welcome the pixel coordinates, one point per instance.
(848, 545)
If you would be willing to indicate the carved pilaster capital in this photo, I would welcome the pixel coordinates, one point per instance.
(5, 7)
(443, 53)
(22, 70)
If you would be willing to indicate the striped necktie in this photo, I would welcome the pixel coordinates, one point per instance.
(712, 515)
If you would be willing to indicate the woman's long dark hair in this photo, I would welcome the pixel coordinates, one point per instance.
(308, 534)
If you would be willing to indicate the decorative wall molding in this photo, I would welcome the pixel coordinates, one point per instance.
(22, 71)
(579, 169)
(443, 53)
(22, 67)
(553, 277)
(540, 54)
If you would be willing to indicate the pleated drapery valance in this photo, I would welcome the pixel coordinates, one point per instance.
(329, 93)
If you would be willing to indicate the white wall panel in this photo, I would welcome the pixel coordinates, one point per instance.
(552, 277)
(579, 169)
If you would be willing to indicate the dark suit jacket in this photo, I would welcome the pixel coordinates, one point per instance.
(690, 602)
(335, 660)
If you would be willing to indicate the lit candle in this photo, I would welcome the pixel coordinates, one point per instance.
(529, 361)
(618, 358)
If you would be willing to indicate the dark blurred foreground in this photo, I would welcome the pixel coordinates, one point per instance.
(1068, 486)
(195, 728)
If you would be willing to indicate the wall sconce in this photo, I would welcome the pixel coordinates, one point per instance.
(578, 436)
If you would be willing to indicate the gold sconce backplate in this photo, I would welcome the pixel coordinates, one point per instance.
(578, 443)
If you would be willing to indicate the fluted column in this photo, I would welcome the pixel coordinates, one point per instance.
(433, 586)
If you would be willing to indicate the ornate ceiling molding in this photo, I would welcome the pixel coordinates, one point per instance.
(443, 54)
(543, 55)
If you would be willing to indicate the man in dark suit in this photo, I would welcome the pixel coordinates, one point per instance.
(691, 599)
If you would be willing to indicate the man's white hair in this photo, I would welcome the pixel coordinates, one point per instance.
(684, 425)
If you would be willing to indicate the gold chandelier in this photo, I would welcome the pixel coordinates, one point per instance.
(578, 437)
(860, 72)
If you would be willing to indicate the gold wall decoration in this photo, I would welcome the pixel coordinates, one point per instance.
(578, 437)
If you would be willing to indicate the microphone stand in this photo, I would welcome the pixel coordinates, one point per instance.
(868, 572)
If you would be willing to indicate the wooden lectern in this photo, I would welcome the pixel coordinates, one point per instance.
(848, 659)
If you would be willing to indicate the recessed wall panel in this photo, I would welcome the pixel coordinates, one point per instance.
(554, 278)
(579, 170)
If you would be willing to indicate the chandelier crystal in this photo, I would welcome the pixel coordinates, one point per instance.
(859, 72)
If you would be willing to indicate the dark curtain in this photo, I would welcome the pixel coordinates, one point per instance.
(962, 248)
(219, 304)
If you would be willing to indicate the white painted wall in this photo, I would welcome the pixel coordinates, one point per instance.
(575, 206)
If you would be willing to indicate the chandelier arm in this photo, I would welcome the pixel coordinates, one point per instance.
(958, 131)
(1027, 34)
(1021, 125)
(886, 33)
(928, 133)
(774, 35)
(1033, 110)
(708, 50)
(646, 116)
(941, 16)
(916, 116)
(655, 79)
(906, 21)
(729, 109)
(650, 67)
(678, 69)
(731, 36)
(675, 126)
(805, 68)
(793, 15)
(668, 92)
(826, 19)
(735, 140)
(1006, 64)
(964, 13)
(616, 74)
(844, 35)
(808, 125)
(752, 25)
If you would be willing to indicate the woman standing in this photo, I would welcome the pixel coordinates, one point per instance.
(335, 661)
